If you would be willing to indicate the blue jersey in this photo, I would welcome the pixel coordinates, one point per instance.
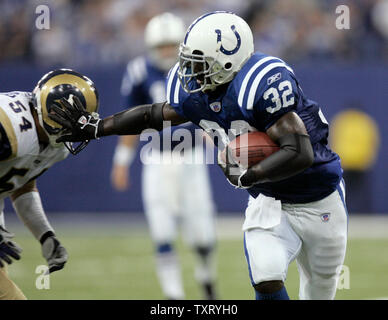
(144, 83)
(262, 92)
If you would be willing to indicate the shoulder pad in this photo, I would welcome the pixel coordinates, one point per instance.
(255, 76)
(135, 73)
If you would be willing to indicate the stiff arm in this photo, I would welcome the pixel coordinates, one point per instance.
(80, 125)
(135, 120)
(295, 154)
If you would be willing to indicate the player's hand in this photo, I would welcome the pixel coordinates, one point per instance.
(231, 169)
(8, 248)
(54, 253)
(79, 125)
(120, 177)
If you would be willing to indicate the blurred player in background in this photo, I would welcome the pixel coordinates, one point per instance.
(28, 149)
(173, 191)
(297, 207)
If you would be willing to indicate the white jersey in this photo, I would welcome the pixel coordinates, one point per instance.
(22, 158)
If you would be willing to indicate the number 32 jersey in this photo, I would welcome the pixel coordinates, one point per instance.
(22, 158)
(259, 95)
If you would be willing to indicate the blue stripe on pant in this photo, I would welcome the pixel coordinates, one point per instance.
(342, 193)
(247, 257)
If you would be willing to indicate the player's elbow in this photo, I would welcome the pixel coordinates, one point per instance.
(28, 187)
(307, 159)
(306, 155)
(300, 151)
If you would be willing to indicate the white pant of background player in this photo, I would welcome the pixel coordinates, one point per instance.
(314, 234)
(178, 194)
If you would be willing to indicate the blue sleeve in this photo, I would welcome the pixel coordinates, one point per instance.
(174, 92)
(277, 93)
(130, 92)
(131, 84)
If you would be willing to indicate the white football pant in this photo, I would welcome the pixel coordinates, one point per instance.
(179, 191)
(314, 234)
(178, 194)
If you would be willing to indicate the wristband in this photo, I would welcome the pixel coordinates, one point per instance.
(239, 183)
(123, 155)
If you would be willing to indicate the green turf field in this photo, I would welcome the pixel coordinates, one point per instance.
(117, 263)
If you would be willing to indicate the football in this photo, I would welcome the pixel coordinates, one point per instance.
(250, 148)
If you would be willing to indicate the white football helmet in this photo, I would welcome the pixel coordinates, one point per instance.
(164, 29)
(215, 48)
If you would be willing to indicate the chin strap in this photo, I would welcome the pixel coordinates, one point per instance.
(78, 148)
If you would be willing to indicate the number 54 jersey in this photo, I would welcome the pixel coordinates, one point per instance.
(22, 158)
(260, 94)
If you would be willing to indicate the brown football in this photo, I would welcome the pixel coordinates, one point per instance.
(250, 148)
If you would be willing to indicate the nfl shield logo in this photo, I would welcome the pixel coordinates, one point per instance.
(325, 217)
(216, 106)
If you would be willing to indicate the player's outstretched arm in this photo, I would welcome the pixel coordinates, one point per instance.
(135, 120)
(81, 125)
(295, 154)
(28, 206)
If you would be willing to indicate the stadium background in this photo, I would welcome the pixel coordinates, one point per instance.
(341, 69)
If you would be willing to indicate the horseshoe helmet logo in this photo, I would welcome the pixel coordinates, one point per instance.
(216, 56)
(238, 45)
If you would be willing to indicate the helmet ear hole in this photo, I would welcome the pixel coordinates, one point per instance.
(199, 52)
(228, 66)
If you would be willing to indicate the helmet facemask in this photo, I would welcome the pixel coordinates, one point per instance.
(164, 61)
(206, 71)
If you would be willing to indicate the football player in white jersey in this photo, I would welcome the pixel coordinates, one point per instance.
(28, 149)
(187, 194)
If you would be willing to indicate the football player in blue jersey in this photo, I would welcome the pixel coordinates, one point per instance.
(186, 195)
(297, 200)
